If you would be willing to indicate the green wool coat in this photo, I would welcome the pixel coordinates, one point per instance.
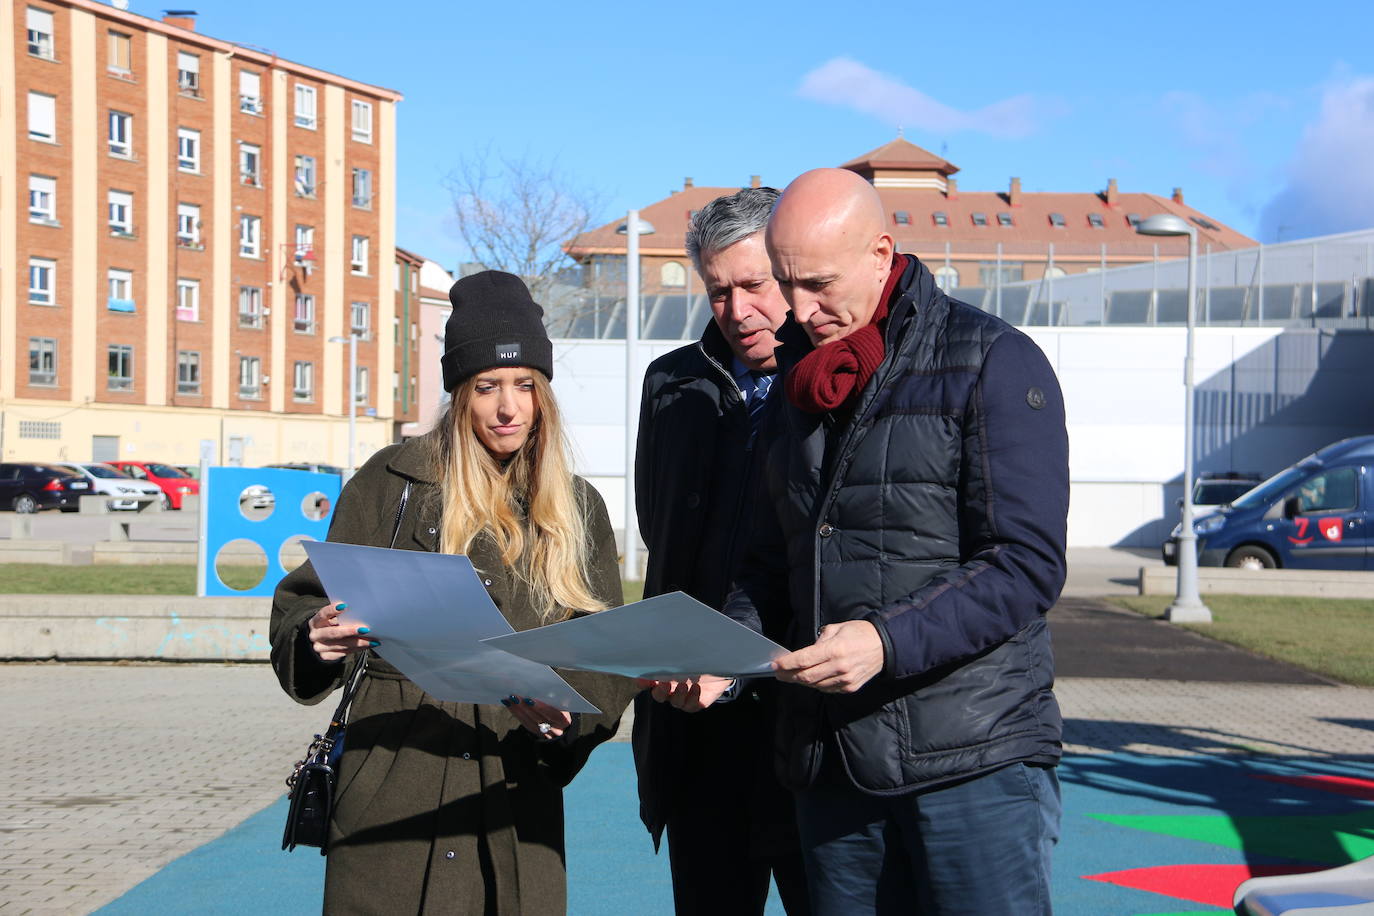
(441, 807)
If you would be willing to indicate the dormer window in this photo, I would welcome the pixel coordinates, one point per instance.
(940, 218)
(902, 218)
(1095, 220)
(1057, 220)
(1004, 219)
(1133, 219)
(980, 219)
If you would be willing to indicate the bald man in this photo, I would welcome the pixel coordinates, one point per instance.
(913, 542)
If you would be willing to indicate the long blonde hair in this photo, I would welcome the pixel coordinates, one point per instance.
(527, 505)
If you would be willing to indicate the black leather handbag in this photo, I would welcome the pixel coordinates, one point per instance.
(311, 783)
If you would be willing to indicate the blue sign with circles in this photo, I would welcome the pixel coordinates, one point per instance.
(264, 508)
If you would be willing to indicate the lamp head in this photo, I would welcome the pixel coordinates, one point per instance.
(1164, 224)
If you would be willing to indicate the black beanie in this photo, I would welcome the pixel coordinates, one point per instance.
(494, 323)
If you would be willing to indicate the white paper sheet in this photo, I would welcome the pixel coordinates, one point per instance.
(430, 612)
(668, 636)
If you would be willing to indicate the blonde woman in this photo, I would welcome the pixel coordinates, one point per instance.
(450, 807)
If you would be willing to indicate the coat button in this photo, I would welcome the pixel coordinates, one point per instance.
(433, 530)
(693, 500)
(467, 756)
(487, 583)
(450, 854)
(825, 530)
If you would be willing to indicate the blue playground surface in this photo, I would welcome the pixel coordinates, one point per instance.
(1142, 835)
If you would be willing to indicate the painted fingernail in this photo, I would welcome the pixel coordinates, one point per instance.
(514, 698)
(340, 606)
(374, 643)
(529, 701)
(364, 630)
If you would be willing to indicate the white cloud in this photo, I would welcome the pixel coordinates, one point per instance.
(1330, 178)
(846, 82)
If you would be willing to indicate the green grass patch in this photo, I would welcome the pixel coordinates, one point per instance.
(1325, 635)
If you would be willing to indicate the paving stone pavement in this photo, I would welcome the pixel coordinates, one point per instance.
(111, 771)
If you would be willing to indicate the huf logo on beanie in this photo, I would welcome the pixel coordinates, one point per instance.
(508, 351)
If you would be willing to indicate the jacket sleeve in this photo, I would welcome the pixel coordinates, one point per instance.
(758, 596)
(1013, 508)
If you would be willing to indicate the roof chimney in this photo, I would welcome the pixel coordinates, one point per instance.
(951, 188)
(182, 19)
(1111, 195)
(755, 181)
(686, 183)
(1014, 195)
(1178, 195)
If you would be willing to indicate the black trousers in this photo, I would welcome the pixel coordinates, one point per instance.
(714, 871)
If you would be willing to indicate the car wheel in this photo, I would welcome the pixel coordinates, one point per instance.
(165, 500)
(25, 504)
(1251, 558)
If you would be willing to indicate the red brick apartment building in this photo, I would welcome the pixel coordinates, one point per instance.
(958, 233)
(190, 228)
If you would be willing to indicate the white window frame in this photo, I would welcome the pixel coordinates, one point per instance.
(303, 381)
(38, 33)
(188, 225)
(188, 73)
(362, 121)
(250, 236)
(250, 91)
(250, 306)
(114, 42)
(125, 354)
(360, 249)
(121, 134)
(362, 181)
(306, 108)
(305, 241)
(120, 285)
(361, 382)
(305, 167)
(42, 199)
(303, 317)
(362, 330)
(42, 281)
(45, 351)
(188, 150)
(121, 211)
(188, 299)
(250, 164)
(42, 117)
(250, 378)
(188, 372)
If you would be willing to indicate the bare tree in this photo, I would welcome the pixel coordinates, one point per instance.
(515, 214)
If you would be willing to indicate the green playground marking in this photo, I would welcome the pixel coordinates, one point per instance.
(1333, 839)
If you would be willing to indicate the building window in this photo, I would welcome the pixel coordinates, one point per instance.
(362, 188)
(250, 92)
(188, 372)
(305, 242)
(120, 373)
(188, 225)
(42, 278)
(901, 218)
(303, 383)
(250, 377)
(1133, 219)
(304, 321)
(360, 323)
(947, 278)
(980, 219)
(188, 149)
(989, 273)
(42, 199)
(1004, 219)
(121, 207)
(250, 236)
(360, 381)
(673, 275)
(188, 73)
(121, 53)
(1057, 220)
(940, 218)
(305, 176)
(250, 307)
(358, 261)
(305, 106)
(121, 286)
(1095, 220)
(362, 121)
(250, 164)
(42, 361)
(43, 117)
(121, 134)
(38, 26)
(188, 300)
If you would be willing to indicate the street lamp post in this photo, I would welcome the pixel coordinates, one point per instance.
(632, 229)
(1187, 606)
(352, 341)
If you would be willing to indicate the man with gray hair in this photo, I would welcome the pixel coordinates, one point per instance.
(708, 778)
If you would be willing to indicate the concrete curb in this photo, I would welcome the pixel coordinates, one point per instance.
(1314, 583)
(110, 627)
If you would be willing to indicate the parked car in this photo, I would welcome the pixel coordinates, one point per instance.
(30, 486)
(1211, 491)
(107, 480)
(176, 483)
(1313, 515)
(256, 496)
(192, 470)
(308, 466)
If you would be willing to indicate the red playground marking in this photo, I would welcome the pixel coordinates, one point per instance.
(1214, 885)
(1340, 785)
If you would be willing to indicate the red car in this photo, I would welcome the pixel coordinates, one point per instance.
(176, 484)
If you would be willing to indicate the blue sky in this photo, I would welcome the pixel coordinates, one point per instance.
(1263, 113)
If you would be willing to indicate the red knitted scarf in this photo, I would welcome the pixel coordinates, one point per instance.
(833, 373)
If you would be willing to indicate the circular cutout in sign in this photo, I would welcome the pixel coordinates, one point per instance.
(291, 554)
(256, 502)
(315, 506)
(241, 564)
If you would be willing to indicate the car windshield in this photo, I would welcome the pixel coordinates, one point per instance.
(166, 470)
(1217, 492)
(1271, 489)
(104, 470)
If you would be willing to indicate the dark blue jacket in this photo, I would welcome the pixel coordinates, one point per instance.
(935, 509)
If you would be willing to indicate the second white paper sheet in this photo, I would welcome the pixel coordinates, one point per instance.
(430, 612)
